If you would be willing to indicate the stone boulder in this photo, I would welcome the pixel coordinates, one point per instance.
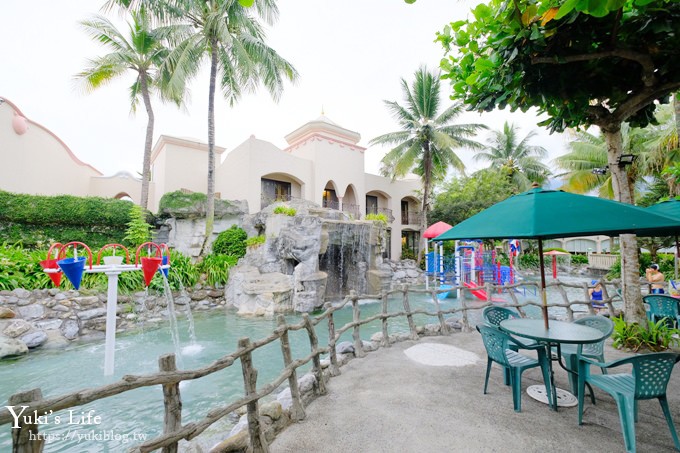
(10, 347)
(6, 313)
(17, 328)
(32, 311)
(34, 339)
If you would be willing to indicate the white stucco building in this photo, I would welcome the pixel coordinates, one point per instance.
(323, 163)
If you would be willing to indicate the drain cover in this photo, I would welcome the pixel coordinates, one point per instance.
(564, 398)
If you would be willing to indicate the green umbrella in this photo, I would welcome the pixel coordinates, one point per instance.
(670, 208)
(545, 214)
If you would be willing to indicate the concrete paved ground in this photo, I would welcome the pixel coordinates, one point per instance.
(389, 402)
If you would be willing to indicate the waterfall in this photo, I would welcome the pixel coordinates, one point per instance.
(347, 258)
(174, 330)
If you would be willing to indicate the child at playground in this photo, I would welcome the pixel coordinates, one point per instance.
(656, 278)
(596, 295)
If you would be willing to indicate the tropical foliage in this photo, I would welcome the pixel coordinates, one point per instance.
(515, 158)
(655, 336)
(143, 53)
(231, 241)
(466, 196)
(426, 142)
(581, 63)
(233, 42)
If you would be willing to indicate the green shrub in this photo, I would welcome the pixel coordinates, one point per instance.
(579, 259)
(35, 220)
(256, 241)
(138, 231)
(527, 260)
(62, 210)
(408, 254)
(382, 218)
(285, 210)
(658, 336)
(231, 242)
(216, 269)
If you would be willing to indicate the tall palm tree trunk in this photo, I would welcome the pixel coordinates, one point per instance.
(146, 165)
(630, 263)
(427, 161)
(210, 202)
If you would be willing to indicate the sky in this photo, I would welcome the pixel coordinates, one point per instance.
(351, 56)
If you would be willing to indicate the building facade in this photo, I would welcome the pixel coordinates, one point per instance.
(323, 163)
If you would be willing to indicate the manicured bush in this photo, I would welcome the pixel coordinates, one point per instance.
(34, 220)
(231, 241)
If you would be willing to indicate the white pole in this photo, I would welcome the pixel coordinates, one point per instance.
(111, 305)
(441, 262)
(427, 265)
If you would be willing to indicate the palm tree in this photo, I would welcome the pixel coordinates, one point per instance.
(588, 152)
(226, 34)
(515, 158)
(427, 139)
(142, 53)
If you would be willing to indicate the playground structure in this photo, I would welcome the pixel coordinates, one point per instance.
(73, 267)
(471, 266)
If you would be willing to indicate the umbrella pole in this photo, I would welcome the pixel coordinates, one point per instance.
(543, 295)
(675, 261)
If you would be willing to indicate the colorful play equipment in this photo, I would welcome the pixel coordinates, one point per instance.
(470, 266)
(51, 263)
(434, 261)
(73, 267)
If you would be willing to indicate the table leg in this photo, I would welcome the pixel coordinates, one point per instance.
(553, 387)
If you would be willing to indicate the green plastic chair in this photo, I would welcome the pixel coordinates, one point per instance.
(570, 352)
(663, 307)
(495, 315)
(648, 380)
(497, 344)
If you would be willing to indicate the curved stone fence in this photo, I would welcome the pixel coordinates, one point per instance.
(261, 422)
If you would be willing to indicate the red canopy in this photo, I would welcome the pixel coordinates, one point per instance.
(556, 252)
(435, 230)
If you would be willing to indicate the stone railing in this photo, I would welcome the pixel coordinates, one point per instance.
(258, 427)
(601, 261)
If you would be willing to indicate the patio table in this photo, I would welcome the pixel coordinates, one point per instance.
(559, 332)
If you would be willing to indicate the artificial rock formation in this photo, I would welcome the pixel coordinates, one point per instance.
(315, 255)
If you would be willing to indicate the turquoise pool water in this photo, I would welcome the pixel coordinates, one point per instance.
(123, 419)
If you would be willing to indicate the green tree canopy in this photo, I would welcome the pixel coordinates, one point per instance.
(580, 62)
(466, 196)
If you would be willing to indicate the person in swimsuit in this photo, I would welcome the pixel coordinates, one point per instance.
(596, 295)
(656, 279)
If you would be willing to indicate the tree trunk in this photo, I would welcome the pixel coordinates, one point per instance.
(210, 202)
(630, 264)
(148, 141)
(427, 161)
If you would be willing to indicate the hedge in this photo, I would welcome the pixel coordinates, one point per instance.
(63, 210)
(36, 220)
